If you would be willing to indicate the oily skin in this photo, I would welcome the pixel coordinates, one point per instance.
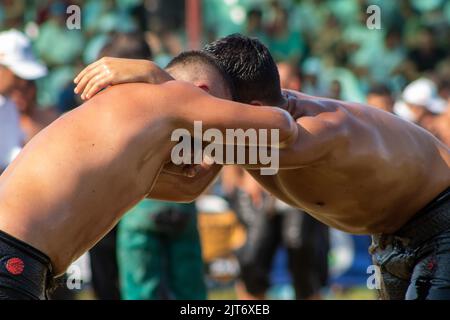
(357, 168)
(77, 177)
(353, 167)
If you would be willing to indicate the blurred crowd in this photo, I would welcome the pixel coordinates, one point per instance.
(327, 42)
(402, 67)
(323, 48)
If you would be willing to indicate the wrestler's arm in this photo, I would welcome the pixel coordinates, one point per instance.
(214, 114)
(312, 142)
(109, 71)
(220, 114)
(317, 136)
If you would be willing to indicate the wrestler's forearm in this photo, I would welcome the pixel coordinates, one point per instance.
(225, 116)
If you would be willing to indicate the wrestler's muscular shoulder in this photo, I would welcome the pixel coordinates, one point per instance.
(139, 98)
(137, 110)
(324, 131)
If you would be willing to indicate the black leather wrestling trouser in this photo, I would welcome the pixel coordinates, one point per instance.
(414, 262)
(25, 272)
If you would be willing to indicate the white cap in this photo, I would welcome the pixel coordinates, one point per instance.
(16, 54)
(423, 92)
(403, 111)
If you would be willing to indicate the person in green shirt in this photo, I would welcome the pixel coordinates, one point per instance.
(155, 251)
(284, 43)
(159, 253)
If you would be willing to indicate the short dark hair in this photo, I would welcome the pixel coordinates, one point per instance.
(200, 57)
(129, 45)
(251, 67)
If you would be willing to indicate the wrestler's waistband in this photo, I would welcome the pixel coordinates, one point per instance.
(24, 268)
(430, 221)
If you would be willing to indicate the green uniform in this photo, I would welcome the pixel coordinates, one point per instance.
(159, 252)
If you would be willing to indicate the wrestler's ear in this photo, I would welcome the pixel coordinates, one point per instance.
(204, 87)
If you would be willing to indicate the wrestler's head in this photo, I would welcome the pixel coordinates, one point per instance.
(251, 68)
(196, 67)
(201, 69)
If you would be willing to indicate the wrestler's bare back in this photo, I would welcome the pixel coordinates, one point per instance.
(356, 168)
(76, 178)
(89, 174)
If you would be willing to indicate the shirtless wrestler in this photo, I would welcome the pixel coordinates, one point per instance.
(357, 169)
(74, 180)
(360, 170)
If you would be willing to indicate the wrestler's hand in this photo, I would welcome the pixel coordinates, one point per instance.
(111, 71)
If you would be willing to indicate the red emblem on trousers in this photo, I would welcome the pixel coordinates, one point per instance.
(15, 266)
